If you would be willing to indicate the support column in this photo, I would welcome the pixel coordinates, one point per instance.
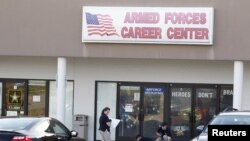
(238, 84)
(61, 88)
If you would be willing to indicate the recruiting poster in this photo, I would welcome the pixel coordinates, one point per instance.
(14, 100)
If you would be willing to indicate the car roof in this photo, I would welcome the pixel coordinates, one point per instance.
(236, 113)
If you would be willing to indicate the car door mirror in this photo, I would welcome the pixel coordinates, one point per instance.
(74, 133)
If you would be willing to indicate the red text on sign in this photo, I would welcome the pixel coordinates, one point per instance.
(142, 17)
(187, 33)
(141, 32)
(185, 18)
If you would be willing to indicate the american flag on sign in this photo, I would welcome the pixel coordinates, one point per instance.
(99, 24)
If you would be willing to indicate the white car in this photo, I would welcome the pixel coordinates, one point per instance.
(226, 118)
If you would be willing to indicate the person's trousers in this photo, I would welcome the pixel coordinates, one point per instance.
(164, 138)
(105, 135)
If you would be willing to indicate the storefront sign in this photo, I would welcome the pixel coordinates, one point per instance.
(206, 95)
(158, 25)
(154, 91)
(181, 94)
(227, 92)
(36, 98)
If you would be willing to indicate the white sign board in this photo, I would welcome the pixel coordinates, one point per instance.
(155, 25)
(136, 96)
(11, 113)
(36, 98)
(129, 108)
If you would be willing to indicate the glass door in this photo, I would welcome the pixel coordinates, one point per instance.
(106, 96)
(191, 107)
(141, 110)
(226, 97)
(153, 109)
(181, 109)
(14, 98)
(129, 112)
(205, 106)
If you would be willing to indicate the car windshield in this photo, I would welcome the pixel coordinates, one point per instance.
(230, 120)
(15, 123)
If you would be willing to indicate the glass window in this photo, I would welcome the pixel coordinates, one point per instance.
(181, 112)
(129, 111)
(58, 129)
(68, 102)
(231, 120)
(205, 105)
(226, 97)
(106, 97)
(14, 97)
(153, 109)
(36, 97)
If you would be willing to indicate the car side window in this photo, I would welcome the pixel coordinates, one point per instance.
(58, 128)
(49, 129)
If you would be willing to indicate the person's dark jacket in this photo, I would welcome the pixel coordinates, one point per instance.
(103, 123)
(165, 132)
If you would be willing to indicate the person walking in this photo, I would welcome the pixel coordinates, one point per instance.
(104, 124)
(163, 133)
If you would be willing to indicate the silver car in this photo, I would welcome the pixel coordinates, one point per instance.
(225, 118)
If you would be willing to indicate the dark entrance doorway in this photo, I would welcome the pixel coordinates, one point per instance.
(195, 105)
(191, 106)
(141, 109)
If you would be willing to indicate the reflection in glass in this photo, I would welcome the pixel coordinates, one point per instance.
(36, 97)
(106, 97)
(205, 107)
(181, 112)
(129, 111)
